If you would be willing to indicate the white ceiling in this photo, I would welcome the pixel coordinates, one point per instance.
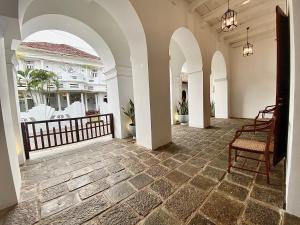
(259, 15)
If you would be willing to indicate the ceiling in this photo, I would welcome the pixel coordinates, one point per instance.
(259, 15)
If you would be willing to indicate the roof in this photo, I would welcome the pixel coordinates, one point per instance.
(60, 49)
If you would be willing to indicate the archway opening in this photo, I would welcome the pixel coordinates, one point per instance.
(218, 87)
(75, 66)
(121, 30)
(186, 76)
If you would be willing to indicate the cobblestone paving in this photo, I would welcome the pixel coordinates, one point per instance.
(118, 182)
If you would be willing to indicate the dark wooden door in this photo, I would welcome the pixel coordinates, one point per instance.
(282, 85)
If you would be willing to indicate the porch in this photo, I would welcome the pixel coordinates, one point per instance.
(117, 182)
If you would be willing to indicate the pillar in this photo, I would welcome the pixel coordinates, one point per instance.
(293, 154)
(58, 102)
(68, 98)
(25, 99)
(195, 93)
(11, 63)
(10, 175)
(221, 98)
(119, 91)
(96, 101)
(85, 102)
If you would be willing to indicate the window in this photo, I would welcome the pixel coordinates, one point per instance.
(94, 72)
(29, 65)
(74, 85)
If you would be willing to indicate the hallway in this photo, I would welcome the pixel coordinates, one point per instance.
(117, 182)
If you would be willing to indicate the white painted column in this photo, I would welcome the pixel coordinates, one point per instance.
(195, 93)
(221, 98)
(68, 98)
(96, 101)
(58, 102)
(119, 91)
(293, 154)
(11, 63)
(26, 103)
(86, 102)
(10, 176)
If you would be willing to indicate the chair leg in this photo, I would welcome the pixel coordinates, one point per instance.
(235, 155)
(229, 159)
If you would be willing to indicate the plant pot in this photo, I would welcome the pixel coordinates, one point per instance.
(183, 119)
(131, 129)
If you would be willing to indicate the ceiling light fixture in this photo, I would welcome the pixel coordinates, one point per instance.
(248, 48)
(229, 21)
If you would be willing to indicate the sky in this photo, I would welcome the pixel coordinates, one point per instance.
(60, 37)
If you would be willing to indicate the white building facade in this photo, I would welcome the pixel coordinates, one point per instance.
(79, 74)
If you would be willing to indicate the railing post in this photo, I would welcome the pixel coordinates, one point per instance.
(25, 139)
(77, 130)
(112, 126)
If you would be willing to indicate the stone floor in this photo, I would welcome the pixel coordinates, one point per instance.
(118, 183)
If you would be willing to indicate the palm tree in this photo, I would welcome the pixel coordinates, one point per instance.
(39, 83)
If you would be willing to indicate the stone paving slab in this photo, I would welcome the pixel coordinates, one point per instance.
(144, 202)
(121, 215)
(233, 190)
(222, 210)
(185, 201)
(24, 213)
(141, 180)
(59, 204)
(120, 192)
(163, 187)
(259, 214)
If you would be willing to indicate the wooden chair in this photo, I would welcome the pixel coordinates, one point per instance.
(264, 148)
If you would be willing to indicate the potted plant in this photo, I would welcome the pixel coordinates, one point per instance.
(131, 115)
(183, 112)
(212, 109)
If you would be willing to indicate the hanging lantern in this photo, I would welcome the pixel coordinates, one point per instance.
(229, 20)
(248, 48)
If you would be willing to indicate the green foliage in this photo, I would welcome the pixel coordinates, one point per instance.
(212, 109)
(38, 81)
(130, 113)
(183, 108)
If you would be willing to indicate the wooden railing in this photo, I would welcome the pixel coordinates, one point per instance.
(45, 134)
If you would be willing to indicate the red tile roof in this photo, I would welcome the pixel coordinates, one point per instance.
(61, 49)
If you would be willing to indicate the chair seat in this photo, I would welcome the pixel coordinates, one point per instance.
(252, 145)
(263, 119)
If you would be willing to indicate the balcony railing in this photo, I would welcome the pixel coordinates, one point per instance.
(45, 134)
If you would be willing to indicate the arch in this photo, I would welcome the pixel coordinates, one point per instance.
(119, 26)
(189, 47)
(219, 85)
(72, 26)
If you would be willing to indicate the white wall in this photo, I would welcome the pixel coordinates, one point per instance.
(253, 79)
(293, 158)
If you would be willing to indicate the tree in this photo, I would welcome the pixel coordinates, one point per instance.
(39, 83)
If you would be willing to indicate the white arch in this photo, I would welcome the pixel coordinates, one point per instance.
(219, 83)
(192, 53)
(73, 26)
(218, 65)
(119, 26)
(190, 48)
